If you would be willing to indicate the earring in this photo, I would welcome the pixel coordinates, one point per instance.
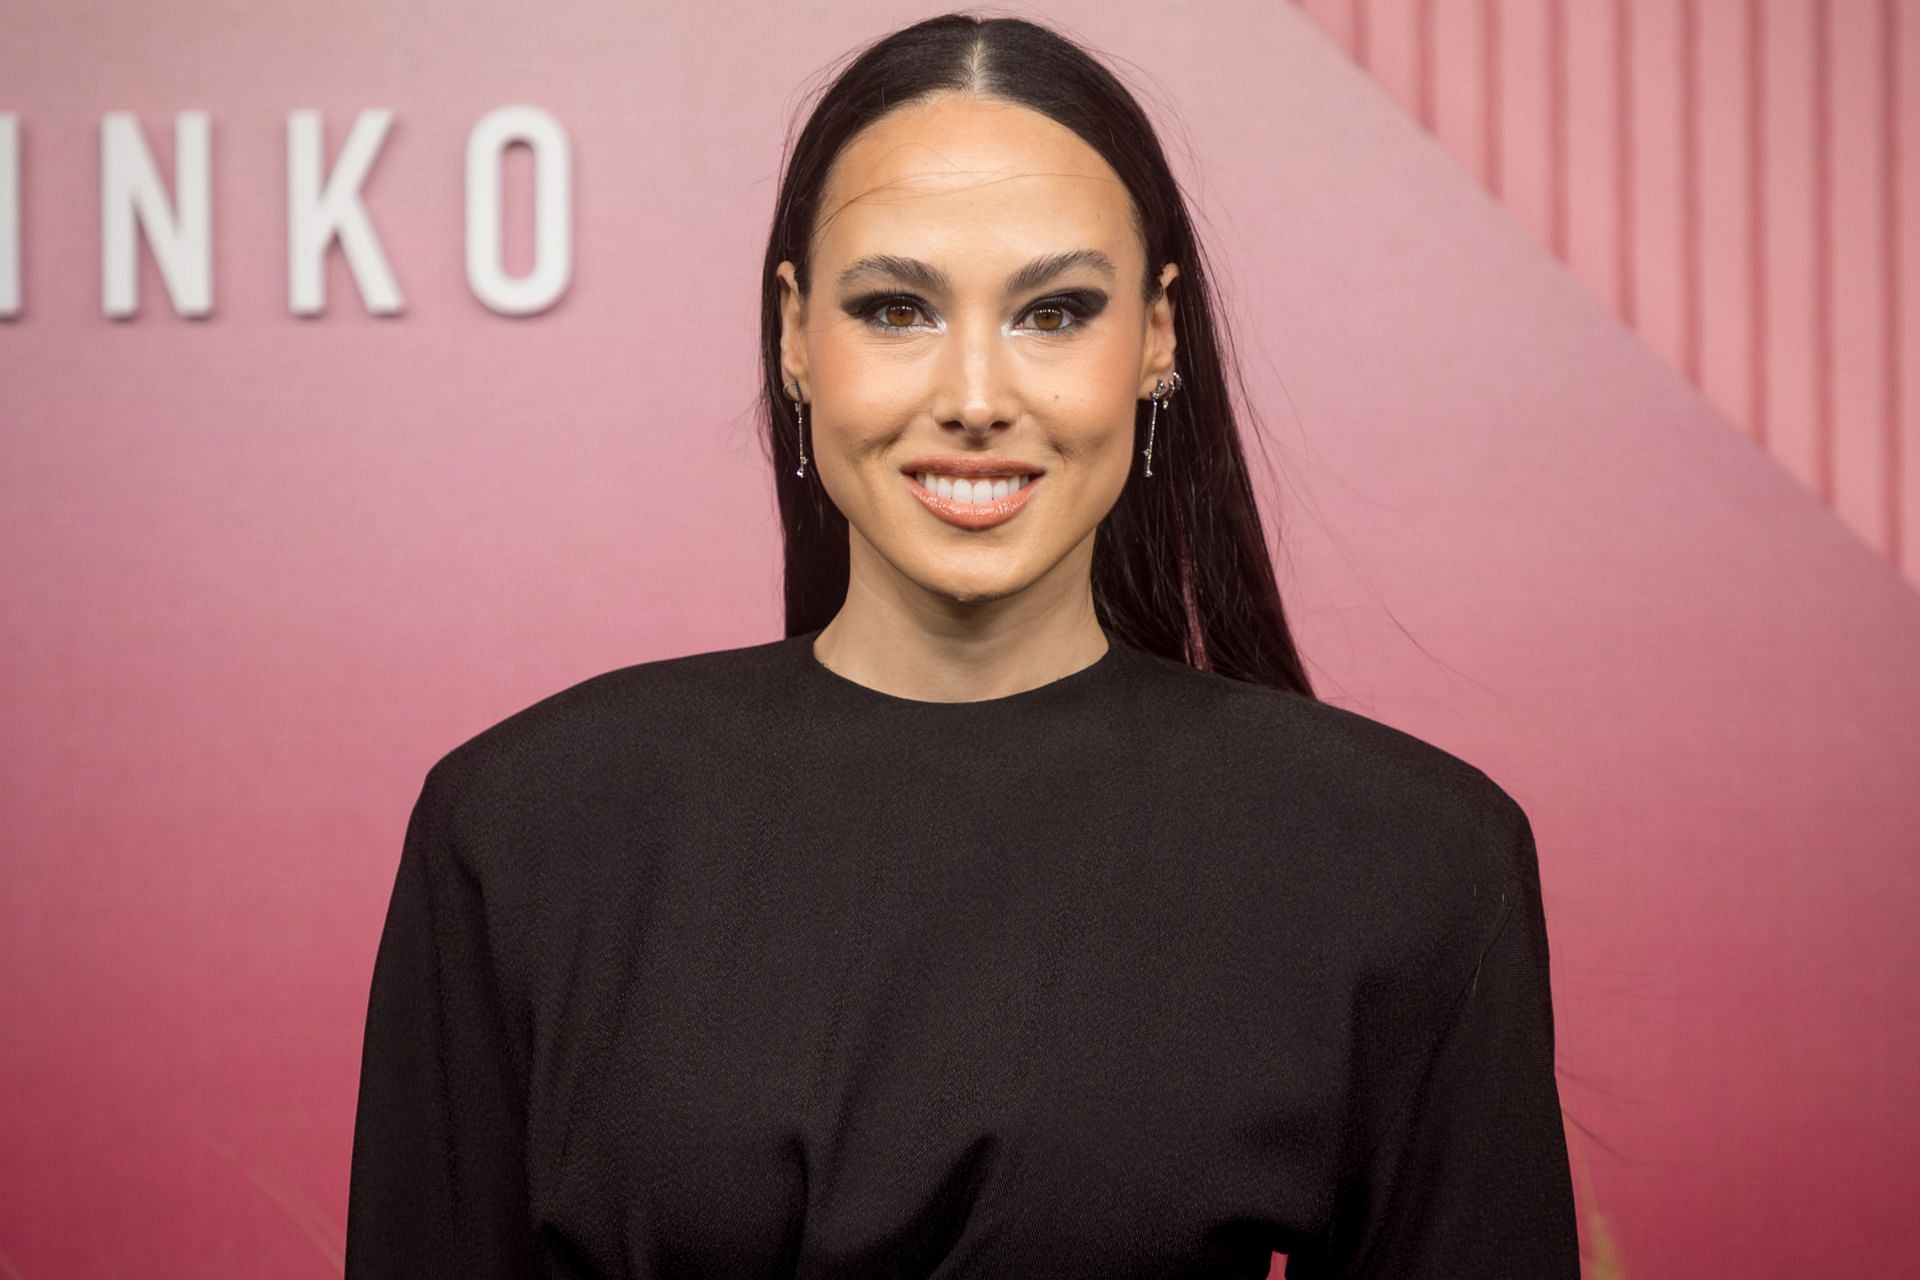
(800, 418)
(1163, 392)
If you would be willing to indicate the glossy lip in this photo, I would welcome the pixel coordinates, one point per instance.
(974, 515)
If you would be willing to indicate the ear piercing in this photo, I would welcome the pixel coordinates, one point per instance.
(1163, 393)
(799, 407)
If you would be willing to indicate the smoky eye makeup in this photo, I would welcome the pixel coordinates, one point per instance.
(1077, 306)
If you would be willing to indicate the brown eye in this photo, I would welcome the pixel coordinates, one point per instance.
(899, 313)
(1064, 313)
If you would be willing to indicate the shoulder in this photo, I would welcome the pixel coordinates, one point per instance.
(1324, 754)
(602, 733)
(1406, 861)
(1376, 811)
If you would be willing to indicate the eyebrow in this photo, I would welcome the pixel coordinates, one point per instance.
(921, 275)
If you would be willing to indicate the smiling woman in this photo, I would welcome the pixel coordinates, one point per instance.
(1022, 912)
(982, 321)
(1006, 273)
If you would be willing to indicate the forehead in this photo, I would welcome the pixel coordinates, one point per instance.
(966, 182)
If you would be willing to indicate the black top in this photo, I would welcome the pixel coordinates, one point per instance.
(728, 965)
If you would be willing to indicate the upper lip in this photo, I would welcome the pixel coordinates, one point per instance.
(972, 464)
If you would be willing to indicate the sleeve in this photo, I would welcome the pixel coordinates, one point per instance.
(438, 1182)
(1471, 1178)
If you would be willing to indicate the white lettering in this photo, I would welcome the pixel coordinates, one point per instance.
(316, 216)
(552, 208)
(179, 236)
(9, 215)
(323, 207)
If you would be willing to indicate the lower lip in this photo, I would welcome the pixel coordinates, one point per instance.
(973, 515)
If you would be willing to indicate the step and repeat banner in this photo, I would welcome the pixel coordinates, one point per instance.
(368, 372)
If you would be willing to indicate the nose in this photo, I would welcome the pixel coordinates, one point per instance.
(976, 390)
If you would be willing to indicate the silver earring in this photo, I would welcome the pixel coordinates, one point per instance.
(1163, 392)
(800, 417)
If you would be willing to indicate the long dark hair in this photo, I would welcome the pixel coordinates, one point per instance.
(1180, 565)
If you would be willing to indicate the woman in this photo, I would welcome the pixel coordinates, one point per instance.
(1022, 913)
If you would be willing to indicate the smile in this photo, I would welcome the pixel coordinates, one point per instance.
(981, 514)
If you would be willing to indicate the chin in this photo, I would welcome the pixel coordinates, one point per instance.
(989, 583)
(958, 596)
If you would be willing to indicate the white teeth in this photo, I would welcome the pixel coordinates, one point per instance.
(985, 489)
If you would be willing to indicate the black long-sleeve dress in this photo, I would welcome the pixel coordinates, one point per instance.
(727, 965)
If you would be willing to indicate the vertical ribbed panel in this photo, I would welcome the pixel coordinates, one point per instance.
(1735, 178)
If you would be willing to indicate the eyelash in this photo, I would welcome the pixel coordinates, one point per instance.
(1077, 305)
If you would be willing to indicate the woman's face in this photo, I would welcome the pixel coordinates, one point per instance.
(976, 297)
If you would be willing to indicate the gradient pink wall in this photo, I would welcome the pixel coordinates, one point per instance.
(1736, 178)
(260, 571)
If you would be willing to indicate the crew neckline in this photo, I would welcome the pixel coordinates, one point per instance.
(1088, 677)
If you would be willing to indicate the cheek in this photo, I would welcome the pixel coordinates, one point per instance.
(863, 401)
(1089, 419)
(1093, 387)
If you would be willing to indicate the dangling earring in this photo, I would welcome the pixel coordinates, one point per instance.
(1162, 394)
(800, 418)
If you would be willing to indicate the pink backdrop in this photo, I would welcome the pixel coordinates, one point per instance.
(1738, 179)
(260, 571)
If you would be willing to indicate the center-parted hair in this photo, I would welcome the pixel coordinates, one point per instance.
(1180, 565)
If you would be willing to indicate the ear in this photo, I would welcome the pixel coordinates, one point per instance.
(793, 325)
(1157, 352)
